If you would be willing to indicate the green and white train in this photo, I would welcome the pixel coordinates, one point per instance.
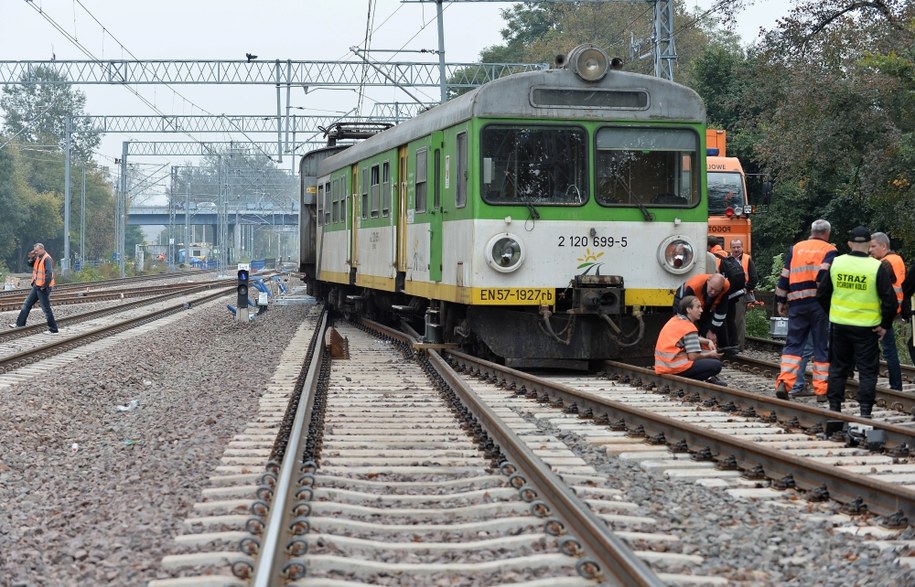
(543, 219)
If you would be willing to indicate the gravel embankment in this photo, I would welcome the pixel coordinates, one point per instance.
(90, 495)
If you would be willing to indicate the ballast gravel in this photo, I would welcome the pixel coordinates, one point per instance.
(102, 460)
(91, 494)
(748, 542)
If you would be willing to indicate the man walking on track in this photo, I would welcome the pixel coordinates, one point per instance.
(858, 294)
(42, 282)
(806, 264)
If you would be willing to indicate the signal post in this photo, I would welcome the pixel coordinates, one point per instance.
(242, 311)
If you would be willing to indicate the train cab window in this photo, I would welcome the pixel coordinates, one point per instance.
(460, 195)
(365, 193)
(422, 187)
(385, 188)
(543, 165)
(647, 167)
(375, 190)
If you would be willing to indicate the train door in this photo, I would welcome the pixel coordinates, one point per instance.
(353, 211)
(436, 211)
(401, 214)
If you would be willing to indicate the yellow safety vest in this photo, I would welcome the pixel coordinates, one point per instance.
(855, 301)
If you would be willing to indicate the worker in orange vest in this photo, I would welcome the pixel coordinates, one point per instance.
(712, 290)
(42, 282)
(880, 250)
(806, 264)
(679, 350)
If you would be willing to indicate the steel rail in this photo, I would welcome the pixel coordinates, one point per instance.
(880, 497)
(69, 320)
(609, 553)
(900, 401)
(271, 559)
(776, 346)
(59, 345)
(67, 299)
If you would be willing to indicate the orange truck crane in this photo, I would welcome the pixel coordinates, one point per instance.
(729, 207)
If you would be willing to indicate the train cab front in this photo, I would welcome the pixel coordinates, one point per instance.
(588, 323)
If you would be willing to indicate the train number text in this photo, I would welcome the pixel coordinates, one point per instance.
(594, 241)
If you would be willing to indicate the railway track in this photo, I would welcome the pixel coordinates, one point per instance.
(775, 348)
(389, 488)
(96, 326)
(396, 485)
(734, 431)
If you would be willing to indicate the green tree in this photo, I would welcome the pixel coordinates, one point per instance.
(13, 192)
(37, 110)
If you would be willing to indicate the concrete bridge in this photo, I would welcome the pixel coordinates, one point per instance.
(199, 214)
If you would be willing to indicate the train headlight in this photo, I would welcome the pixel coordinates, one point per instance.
(504, 252)
(676, 254)
(590, 63)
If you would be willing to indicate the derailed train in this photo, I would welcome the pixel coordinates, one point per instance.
(543, 219)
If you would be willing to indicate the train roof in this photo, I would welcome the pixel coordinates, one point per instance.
(513, 97)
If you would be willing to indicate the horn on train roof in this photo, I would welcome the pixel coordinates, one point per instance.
(588, 62)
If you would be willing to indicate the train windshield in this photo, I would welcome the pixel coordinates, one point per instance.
(725, 190)
(543, 165)
(647, 167)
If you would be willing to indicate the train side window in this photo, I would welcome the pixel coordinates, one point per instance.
(385, 188)
(327, 204)
(336, 200)
(319, 204)
(460, 196)
(365, 193)
(421, 183)
(375, 190)
(437, 179)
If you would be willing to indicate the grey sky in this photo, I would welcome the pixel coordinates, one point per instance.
(271, 29)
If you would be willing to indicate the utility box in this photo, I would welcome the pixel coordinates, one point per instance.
(778, 327)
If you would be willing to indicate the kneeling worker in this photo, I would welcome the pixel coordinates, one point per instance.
(679, 349)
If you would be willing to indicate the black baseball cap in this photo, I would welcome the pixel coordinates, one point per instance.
(859, 234)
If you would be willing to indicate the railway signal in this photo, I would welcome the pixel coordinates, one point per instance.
(242, 289)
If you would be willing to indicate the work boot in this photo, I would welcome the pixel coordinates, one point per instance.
(866, 411)
(802, 392)
(821, 398)
(781, 390)
(834, 407)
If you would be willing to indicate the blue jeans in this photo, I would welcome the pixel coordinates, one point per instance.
(806, 353)
(37, 295)
(891, 356)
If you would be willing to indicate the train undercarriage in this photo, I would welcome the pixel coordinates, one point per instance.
(577, 336)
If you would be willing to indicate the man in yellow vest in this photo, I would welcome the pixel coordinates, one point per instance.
(859, 298)
(42, 282)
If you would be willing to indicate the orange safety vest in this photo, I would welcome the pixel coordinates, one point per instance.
(668, 357)
(808, 258)
(898, 275)
(718, 252)
(38, 277)
(745, 263)
(695, 285)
